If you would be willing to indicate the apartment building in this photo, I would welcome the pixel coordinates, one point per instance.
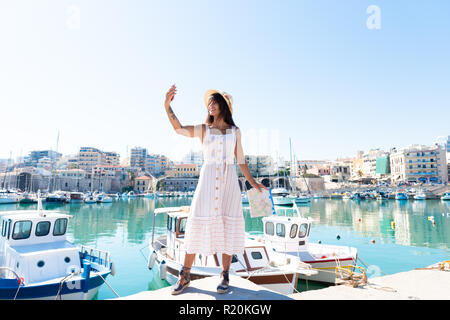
(418, 163)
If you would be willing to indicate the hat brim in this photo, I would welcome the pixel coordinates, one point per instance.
(210, 92)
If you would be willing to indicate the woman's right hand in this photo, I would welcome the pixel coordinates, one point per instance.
(170, 95)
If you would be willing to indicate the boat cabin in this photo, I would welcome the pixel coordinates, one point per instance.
(33, 244)
(286, 234)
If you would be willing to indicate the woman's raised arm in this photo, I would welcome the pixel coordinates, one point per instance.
(188, 131)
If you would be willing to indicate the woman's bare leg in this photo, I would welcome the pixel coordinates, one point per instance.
(187, 264)
(224, 277)
(226, 262)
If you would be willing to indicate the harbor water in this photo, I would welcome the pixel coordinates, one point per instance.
(391, 236)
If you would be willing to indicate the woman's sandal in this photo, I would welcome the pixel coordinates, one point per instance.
(181, 285)
(224, 284)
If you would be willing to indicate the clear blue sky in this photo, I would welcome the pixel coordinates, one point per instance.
(309, 70)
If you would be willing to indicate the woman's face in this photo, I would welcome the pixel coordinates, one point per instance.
(213, 108)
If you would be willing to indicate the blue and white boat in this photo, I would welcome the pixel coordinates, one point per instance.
(446, 196)
(38, 262)
(131, 195)
(401, 196)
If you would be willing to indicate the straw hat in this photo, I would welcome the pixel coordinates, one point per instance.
(228, 98)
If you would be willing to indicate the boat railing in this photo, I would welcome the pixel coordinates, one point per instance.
(19, 279)
(95, 255)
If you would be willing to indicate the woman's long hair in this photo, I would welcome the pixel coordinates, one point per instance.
(223, 108)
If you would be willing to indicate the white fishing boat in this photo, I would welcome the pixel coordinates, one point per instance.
(28, 198)
(302, 199)
(38, 262)
(7, 197)
(445, 196)
(401, 196)
(270, 269)
(90, 199)
(290, 236)
(131, 195)
(76, 197)
(281, 197)
(57, 196)
(106, 199)
(420, 196)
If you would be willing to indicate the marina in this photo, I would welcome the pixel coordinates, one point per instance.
(391, 236)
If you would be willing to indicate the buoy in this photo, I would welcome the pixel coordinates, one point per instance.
(319, 242)
(359, 220)
(373, 240)
(151, 260)
(434, 223)
(163, 270)
(393, 225)
(338, 237)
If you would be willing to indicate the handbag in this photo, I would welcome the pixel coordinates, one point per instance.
(260, 202)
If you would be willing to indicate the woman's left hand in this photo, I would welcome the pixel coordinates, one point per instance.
(259, 186)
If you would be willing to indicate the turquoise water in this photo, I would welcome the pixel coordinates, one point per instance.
(124, 228)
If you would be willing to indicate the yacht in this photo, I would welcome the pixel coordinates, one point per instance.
(7, 197)
(281, 197)
(57, 196)
(301, 198)
(446, 196)
(401, 196)
(38, 262)
(76, 197)
(28, 198)
(89, 199)
(420, 196)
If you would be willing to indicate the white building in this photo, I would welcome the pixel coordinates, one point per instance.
(418, 163)
(369, 165)
(193, 157)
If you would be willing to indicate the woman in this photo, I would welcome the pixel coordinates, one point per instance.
(216, 223)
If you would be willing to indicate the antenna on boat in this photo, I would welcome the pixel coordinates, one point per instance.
(39, 201)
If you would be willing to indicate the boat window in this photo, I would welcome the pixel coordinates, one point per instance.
(303, 230)
(182, 225)
(174, 223)
(256, 255)
(60, 227)
(21, 230)
(42, 228)
(293, 232)
(3, 228)
(169, 223)
(281, 230)
(269, 228)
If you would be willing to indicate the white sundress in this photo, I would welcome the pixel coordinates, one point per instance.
(216, 222)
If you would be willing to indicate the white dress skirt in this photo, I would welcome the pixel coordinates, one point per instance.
(216, 222)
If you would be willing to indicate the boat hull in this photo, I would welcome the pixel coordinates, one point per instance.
(70, 290)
